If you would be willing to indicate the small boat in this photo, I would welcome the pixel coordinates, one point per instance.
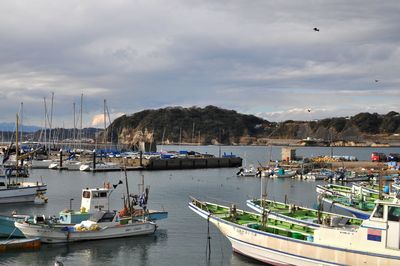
(13, 191)
(101, 225)
(278, 173)
(375, 242)
(247, 171)
(40, 164)
(100, 166)
(345, 191)
(74, 226)
(14, 244)
(359, 207)
(301, 215)
(323, 174)
(7, 227)
(93, 200)
(71, 165)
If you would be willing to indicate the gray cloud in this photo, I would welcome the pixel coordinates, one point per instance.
(259, 57)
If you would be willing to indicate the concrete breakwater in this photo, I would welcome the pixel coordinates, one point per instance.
(192, 163)
(178, 163)
(156, 163)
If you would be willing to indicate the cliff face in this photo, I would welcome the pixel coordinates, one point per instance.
(209, 125)
(213, 125)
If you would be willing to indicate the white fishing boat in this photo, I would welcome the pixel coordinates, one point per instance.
(375, 242)
(102, 225)
(14, 191)
(71, 226)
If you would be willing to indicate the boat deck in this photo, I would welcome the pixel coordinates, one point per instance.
(254, 221)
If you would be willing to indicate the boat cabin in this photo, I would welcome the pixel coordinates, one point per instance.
(380, 232)
(95, 199)
(386, 215)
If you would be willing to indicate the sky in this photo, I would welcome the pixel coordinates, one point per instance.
(255, 57)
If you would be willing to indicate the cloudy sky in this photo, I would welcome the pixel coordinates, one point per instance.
(256, 57)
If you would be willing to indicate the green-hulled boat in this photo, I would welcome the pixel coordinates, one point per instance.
(302, 215)
(375, 242)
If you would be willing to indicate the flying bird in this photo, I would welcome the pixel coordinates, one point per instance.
(309, 110)
(316, 29)
(376, 80)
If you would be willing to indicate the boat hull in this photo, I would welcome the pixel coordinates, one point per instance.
(282, 250)
(14, 244)
(62, 234)
(8, 228)
(20, 194)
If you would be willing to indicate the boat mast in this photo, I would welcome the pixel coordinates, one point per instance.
(21, 117)
(16, 142)
(80, 133)
(73, 130)
(105, 125)
(45, 123)
(51, 120)
(127, 191)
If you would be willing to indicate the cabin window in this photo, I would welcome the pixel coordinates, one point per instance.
(378, 212)
(394, 214)
(86, 194)
(2, 184)
(103, 194)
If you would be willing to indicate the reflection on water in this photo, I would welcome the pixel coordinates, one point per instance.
(106, 252)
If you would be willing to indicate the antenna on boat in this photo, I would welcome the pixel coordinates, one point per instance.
(127, 190)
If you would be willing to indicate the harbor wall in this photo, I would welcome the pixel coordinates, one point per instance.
(192, 163)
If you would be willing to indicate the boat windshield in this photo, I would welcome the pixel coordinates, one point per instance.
(394, 214)
(102, 216)
(378, 211)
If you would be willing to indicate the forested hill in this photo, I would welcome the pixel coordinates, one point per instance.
(212, 125)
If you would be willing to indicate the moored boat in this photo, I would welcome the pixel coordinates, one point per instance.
(301, 215)
(18, 244)
(100, 166)
(375, 242)
(102, 225)
(13, 191)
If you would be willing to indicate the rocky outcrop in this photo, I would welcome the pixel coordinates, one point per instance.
(213, 125)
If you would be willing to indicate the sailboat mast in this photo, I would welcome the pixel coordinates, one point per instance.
(105, 124)
(80, 135)
(45, 123)
(51, 120)
(73, 130)
(16, 141)
(21, 117)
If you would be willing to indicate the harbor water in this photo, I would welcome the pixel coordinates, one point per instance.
(180, 239)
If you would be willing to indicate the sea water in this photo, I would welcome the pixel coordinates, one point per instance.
(182, 238)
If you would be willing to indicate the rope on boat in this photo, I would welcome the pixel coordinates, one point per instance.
(15, 228)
